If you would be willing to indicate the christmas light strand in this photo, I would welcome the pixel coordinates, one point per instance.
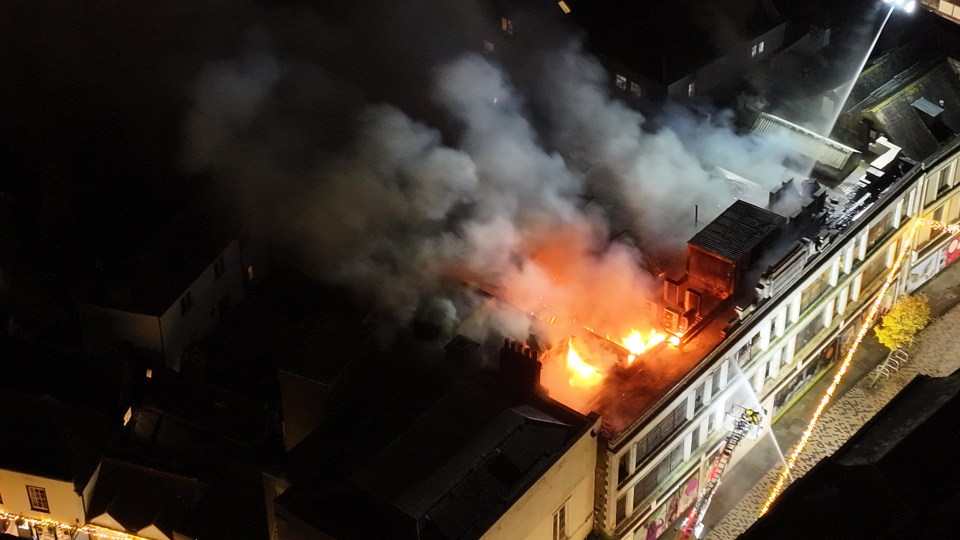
(842, 370)
(94, 531)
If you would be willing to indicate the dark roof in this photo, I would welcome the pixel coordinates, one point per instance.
(324, 347)
(290, 321)
(737, 231)
(137, 497)
(232, 505)
(201, 407)
(153, 277)
(902, 106)
(898, 477)
(665, 41)
(98, 383)
(450, 474)
(45, 437)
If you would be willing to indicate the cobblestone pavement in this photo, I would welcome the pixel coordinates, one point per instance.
(935, 353)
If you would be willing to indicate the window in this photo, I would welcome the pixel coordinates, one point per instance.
(928, 234)
(38, 499)
(813, 327)
(691, 89)
(661, 432)
(815, 290)
(943, 180)
(621, 82)
(695, 439)
(218, 269)
(879, 231)
(563, 5)
(873, 271)
(715, 382)
(748, 351)
(186, 302)
(698, 398)
(648, 484)
(769, 370)
(753, 51)
(506, 25)
(623, 469)
(635, 89)
(621, 508)
(560, 522)
(760, 47)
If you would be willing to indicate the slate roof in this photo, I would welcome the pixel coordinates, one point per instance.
(138, 497)
(898, 477)
(892, 106)
(737, 231)
(449, 474)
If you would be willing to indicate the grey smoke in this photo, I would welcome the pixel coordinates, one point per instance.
(409, 216)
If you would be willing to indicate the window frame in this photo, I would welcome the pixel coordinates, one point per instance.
(560, 522)
(35, 497)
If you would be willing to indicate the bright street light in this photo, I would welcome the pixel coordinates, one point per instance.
(907, 6)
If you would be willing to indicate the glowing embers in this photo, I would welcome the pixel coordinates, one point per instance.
(581, 373)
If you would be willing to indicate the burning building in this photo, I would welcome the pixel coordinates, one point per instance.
(767, 304)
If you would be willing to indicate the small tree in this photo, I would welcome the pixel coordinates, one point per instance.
(909, 315)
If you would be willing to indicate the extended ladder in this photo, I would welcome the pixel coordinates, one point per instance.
(745, 423)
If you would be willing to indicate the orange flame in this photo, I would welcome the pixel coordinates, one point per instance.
(581, 373)
(636, 344)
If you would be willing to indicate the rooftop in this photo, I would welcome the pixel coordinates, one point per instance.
(450, 473)
(80, 437)
(137, 497)
(153, 277)
(901, 106)
(737, 231)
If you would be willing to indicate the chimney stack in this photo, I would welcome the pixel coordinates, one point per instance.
(519, 368)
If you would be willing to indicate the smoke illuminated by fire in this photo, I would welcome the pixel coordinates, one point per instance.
(589, 301)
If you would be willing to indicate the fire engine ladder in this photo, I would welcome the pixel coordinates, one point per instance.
(696, 513)
(741, 428)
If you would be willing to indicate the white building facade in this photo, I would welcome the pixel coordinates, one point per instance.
(653, 469)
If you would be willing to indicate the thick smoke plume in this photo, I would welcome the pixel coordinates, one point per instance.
(512, 188)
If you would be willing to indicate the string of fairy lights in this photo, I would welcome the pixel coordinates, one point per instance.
(93, 531)
(844, 366)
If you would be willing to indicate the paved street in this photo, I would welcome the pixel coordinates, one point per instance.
(747, 484)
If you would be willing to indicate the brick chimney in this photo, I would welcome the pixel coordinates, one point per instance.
(519, 368)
